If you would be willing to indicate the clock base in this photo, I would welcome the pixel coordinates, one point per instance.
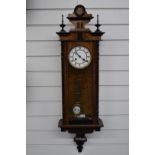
(80, 130)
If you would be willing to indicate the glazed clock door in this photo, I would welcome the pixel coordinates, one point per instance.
(80, 106)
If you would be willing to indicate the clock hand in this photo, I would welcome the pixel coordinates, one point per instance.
(78, 54)
(85, 60)
(81, 57)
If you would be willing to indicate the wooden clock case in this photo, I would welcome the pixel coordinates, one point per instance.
(80, 86)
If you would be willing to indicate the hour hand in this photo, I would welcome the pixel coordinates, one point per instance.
(84, 60)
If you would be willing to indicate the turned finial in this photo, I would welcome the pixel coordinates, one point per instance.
(97, 24)
(62, 25)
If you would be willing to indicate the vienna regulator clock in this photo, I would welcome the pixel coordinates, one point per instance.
(80, 70)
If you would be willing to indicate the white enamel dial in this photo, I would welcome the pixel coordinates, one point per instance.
(79, 57)
(76, 110)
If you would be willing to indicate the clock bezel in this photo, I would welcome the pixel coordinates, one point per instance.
(83, 66)
(76, 106)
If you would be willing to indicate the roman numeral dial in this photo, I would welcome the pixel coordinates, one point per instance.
(79, 57)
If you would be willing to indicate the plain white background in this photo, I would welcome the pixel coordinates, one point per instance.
(13, 77)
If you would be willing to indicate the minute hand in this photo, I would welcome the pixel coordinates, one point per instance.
(78, 54)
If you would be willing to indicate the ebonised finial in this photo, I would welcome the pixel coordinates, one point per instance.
(62, 25)
(97, 24)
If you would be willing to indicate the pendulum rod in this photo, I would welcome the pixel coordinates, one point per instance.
(77, 91)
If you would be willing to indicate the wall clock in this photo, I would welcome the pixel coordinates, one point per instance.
(80, 69)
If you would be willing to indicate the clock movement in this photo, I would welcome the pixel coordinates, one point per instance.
(80, 76)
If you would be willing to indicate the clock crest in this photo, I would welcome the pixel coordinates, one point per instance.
(80, 69)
